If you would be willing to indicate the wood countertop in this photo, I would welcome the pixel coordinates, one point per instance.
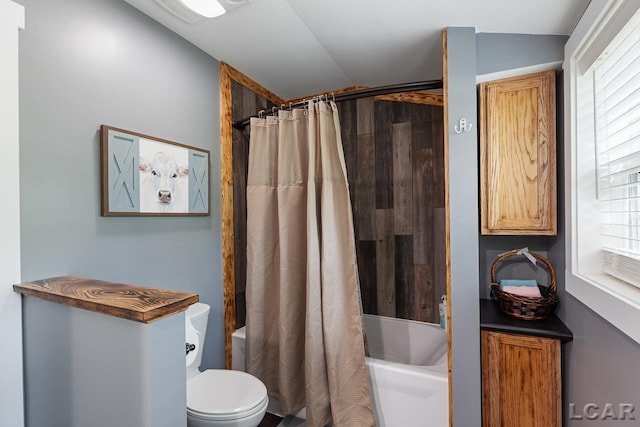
(131, 302)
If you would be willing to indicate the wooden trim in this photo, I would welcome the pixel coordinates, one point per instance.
(322, 94)
(227, 74)
(245, 81)
(422, 97)
(445, 114)
(226, 192)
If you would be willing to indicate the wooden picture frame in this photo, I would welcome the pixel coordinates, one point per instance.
(142, 175)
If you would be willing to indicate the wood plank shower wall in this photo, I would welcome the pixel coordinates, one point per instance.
(395, 166)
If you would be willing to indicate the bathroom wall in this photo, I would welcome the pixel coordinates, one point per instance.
(460, 66)
(601, 365)
(11, 381)
(394, 152)
(502, 52)
(87, 63)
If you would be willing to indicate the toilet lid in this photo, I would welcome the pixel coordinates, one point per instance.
(223, 392)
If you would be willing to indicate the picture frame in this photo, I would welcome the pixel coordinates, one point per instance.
(142, 175)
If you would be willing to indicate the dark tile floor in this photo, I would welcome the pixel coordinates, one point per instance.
(270, 420)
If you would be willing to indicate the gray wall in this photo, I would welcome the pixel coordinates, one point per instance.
(463, 227)
(119, 372)
(500, 52)
(601, 365)
(87, 63)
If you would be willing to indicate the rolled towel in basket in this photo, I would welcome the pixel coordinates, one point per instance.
(517, 282)
(523, 291)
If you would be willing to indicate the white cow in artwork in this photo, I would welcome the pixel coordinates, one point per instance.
(163, 183)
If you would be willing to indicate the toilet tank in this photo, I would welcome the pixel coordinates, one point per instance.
(198, 315)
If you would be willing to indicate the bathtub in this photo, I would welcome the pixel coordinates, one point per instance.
(407, 368)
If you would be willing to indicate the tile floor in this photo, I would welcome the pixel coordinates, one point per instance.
(270, 420)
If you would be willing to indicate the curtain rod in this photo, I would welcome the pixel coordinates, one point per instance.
(356, 94)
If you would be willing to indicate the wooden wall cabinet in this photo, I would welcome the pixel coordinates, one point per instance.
(518, 155)
(521, 380)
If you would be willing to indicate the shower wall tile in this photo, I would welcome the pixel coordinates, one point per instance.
(404, 277)
(402, 179)
(384, 154)
(399, 193)
(424, 307)
(385, 263)
(366, 252)
(365, 118)
(365, 208)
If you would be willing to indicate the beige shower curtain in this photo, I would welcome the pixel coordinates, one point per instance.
(304, 335)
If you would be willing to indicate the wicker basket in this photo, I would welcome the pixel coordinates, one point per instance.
(520, 307)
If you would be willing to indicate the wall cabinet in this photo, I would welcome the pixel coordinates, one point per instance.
(521, 380)
(518, 155)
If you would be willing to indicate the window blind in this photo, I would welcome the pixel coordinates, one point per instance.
(616, 85)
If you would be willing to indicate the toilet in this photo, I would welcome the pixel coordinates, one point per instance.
(218, 397)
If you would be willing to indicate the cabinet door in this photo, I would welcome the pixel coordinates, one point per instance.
(521, 381)
(518, 155)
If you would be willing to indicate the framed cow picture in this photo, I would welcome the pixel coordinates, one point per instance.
(142, 175)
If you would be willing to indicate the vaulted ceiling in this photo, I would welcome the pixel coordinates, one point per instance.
(299, 47)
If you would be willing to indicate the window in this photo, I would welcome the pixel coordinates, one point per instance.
(616, 88)
(602, 95)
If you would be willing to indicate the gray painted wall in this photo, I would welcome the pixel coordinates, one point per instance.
(84, 368)
(463, 204)
(87, 63)
(601, 365)
(500, 52)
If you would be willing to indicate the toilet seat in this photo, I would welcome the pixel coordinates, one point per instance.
(218, 394)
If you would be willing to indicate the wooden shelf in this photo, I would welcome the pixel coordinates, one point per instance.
(137, 303)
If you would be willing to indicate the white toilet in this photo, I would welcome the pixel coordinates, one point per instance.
(218, 397)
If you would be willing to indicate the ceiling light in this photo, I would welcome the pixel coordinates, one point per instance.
(206, 8)
(192, 11)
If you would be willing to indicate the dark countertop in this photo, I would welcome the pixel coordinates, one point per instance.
(492, 318)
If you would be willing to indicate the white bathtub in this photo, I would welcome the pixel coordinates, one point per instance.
(407, 371)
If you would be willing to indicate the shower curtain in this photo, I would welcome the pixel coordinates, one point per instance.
(304, 335)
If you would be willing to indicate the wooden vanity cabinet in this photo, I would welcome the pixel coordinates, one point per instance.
(518, 155)
(521, 380)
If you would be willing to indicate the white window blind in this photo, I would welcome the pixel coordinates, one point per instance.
(616, 85)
